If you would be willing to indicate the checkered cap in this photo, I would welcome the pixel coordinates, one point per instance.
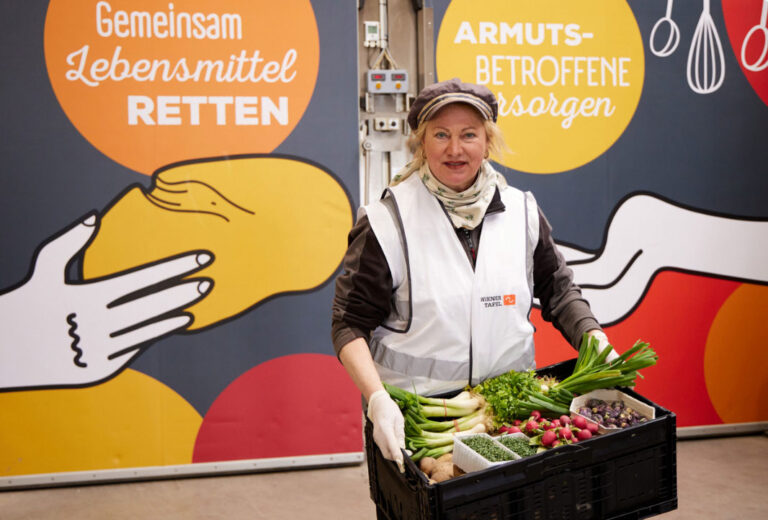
(434, 97)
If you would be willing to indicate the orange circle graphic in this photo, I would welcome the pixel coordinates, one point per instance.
(735, 363)
(152, 83)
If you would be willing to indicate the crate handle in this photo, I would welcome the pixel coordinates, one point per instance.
(559, 459)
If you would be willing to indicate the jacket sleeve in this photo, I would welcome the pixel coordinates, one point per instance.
(363, 296)
(561, 301)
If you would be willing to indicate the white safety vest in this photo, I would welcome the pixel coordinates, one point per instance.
(452, 325)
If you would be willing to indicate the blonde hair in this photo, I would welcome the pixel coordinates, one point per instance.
(497, 147)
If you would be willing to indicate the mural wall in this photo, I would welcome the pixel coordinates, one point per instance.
(640, 126)
(176, 191)
(178, 180)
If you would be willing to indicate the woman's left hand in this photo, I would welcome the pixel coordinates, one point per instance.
(603, 343)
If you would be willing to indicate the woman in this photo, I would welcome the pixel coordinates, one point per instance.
(423, 303)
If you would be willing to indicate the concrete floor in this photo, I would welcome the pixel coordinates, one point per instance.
(722, 478)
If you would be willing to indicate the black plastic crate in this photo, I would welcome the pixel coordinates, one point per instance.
(628, 474)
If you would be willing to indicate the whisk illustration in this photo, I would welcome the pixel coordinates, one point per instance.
(761, 62)
(674, 34)
(706, 62)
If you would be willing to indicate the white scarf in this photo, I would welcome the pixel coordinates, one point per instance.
(465, 208)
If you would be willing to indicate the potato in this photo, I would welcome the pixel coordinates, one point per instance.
(427, 465)
(442, 475)
(445, 466)
(446, 457)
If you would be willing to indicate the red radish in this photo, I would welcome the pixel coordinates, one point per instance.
(564, 419)
(504, 429)
(556, 423)
(531, 425)
(513, 429)
(584, 435)
(548, 426)
(536, 414)
(548, 438)
(580, 422)
(556, 444)
(517, 422)
(592, 427)
(564, 433)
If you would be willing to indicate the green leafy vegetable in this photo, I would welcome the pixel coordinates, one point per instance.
(514, 395)
(431, 422)
(592, 371)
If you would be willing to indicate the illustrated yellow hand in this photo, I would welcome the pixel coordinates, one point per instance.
(275, 225)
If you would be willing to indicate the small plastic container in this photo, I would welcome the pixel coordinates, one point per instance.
(516, 435)
(609, 396)
(469, 460)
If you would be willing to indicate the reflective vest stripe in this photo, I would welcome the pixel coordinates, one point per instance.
(404, 363)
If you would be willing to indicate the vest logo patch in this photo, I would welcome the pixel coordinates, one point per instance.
(498, 301)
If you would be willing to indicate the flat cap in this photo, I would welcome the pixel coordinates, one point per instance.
(433, 97)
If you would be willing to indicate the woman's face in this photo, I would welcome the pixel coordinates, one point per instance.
(455, 145)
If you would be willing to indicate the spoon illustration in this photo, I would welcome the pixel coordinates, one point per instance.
(761, 62)
(706, 62)
(674, 34)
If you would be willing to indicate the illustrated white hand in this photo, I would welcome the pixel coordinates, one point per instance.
(648, 235)
(388, 426)
(59, 334)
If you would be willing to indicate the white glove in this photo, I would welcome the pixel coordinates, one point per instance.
(602, 344)
(388, 426)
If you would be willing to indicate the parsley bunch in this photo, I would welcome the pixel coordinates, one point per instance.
(514, 395)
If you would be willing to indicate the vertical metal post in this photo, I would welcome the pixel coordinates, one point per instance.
(384, 24)
(425, 46)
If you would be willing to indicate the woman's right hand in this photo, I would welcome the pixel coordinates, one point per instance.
(388, 426)
(383, 412)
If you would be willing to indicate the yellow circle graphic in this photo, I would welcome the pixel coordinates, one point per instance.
(130, 421)
(567, 73)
